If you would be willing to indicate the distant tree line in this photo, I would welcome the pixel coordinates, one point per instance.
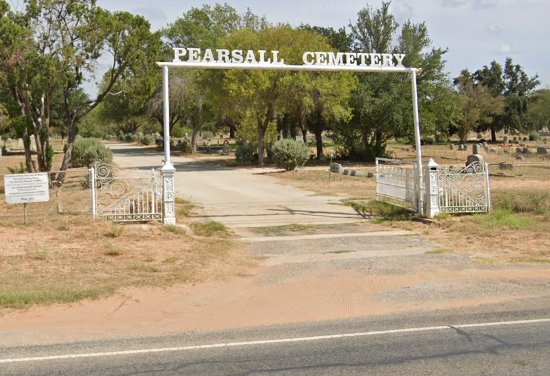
(51, 48)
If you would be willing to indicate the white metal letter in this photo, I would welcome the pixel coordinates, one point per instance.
(179, 52)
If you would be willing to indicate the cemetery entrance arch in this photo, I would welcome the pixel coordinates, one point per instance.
(168, 169)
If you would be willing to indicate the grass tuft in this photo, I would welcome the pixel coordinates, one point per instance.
(174, 229)
(184, 208)
(115, 231)
(210, 228)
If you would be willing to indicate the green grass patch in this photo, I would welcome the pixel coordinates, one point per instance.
(439, 251)
(23, 299)
(284, 229)
(210, 228)
(523, 201)
(504, 218)
(382, 211)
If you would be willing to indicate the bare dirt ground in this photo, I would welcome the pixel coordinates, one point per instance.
(286, 277)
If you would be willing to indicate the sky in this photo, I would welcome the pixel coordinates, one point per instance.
(476, 32)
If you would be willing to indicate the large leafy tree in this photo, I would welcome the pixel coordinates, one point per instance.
(381, 103)
(195, 98)
(47, 53)
(538, 114)
(476, 105)
(515, 86)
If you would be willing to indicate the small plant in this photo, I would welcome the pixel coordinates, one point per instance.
(42, 255)
(115, 231)
(113, 251)
(21, 169)
(289, 154)
(174, 229)
(209, 228)
(184, 208)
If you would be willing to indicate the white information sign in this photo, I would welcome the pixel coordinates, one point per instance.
(26, 188)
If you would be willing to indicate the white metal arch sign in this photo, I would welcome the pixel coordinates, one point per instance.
(313, 61)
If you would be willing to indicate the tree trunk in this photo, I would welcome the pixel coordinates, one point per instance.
(493, 134)
(262, 127)
(68, 153)
(319, 142)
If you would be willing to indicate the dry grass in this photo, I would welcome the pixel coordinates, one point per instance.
(517, 231)
(53, 260)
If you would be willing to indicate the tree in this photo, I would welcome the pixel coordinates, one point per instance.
(49, 50)
(195, 92)
(476, 105)
(538, 113)
(515, 86)
(382, 102)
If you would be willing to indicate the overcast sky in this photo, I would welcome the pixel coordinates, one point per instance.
(476, 32)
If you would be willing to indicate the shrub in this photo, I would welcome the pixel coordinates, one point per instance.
(244, 152)
(87, 151)
(534, 136)
(289, 154)
(148, 139)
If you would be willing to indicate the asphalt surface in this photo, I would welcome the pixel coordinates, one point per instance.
(449, 343)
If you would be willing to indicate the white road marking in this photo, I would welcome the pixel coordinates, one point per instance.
(272, 341)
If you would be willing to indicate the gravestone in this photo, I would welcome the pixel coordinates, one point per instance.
(475, 149)
(505, 139)
(505, 166)
(353, 173)
(542, 151)
(336, 168)
(485, 147)
(474, 158)
(370, 175)
(225, 149)
(451, 146)
(346, 172)
(33, 143)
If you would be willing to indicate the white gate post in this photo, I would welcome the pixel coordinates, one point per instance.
(419, 176)
(432, 189)
(168, 171)
(91, 182)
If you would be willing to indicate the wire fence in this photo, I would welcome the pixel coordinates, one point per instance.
(72, 199)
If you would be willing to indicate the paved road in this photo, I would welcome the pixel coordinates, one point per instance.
(240, 197)
(516, 343)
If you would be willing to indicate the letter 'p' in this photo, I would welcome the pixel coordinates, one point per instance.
(179, 52)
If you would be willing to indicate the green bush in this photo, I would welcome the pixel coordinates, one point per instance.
(534, 136)
(148, 139)
(289, 154)
(87, 151)
(244, 152)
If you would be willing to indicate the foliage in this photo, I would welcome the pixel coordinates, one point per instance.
(477, 105)
(538, 113)
(514, 87)
(87, 151)
(382, 104)
(289, 154)
(244, 152)
(53, 46)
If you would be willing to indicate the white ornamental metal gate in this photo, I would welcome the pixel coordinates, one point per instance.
(396, 183)
(125, 195)
(464, 190)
